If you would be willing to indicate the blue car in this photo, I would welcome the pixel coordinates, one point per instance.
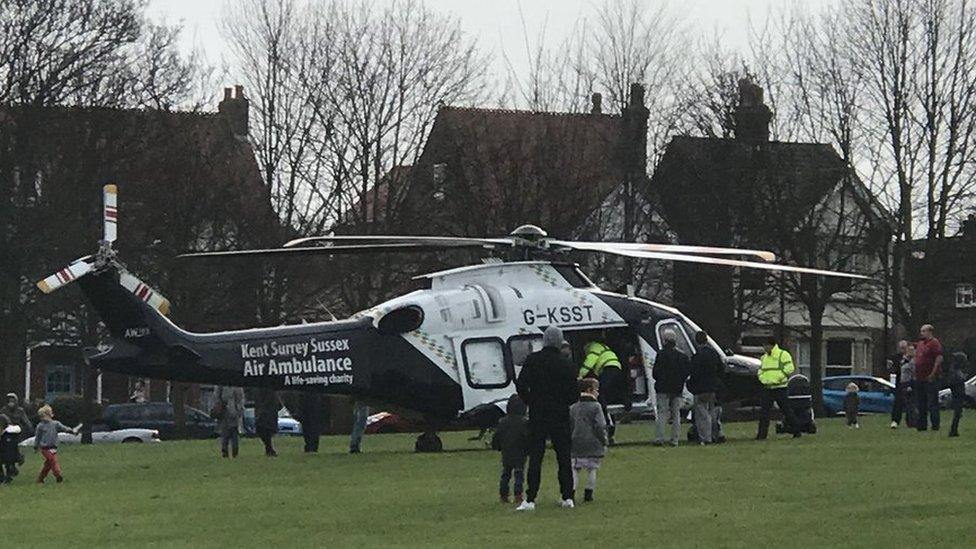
(877, 395)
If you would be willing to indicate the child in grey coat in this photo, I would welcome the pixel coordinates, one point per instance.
(589, 435)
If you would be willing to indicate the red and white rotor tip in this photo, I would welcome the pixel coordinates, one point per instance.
(110, 213)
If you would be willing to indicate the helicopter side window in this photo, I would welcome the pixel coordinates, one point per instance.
(682, 343)
(485, 363)
(521, 346)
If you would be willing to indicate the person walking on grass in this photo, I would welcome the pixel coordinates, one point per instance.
(360, 415)
(706, 367)
(956, 380)
(775, 368)
(266, 406)
(547, 385)
(46, 441)
(230, 409)
(928, 367)
(511, 438)
(17, 416)
(10, 456)
(671, 368)
(590, 436)
(852, 403)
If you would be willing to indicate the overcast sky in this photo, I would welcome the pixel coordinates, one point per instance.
(496, 23)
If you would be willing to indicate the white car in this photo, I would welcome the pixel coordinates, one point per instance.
(119, 435)
(945, 395)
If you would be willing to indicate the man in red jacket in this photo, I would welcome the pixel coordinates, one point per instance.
(928, 366)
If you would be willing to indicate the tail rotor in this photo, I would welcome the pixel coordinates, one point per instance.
(104, 258)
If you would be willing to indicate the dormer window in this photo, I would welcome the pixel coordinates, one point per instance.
(964, 296)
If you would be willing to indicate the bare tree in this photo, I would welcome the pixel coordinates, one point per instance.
(918, 58)
(56, 53)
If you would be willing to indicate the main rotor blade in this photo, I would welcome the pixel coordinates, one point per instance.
(328, 250)
(609, 247)
(399, 239)
(110, 213)
(722, 261)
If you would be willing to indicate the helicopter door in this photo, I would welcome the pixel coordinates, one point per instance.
(487, 371)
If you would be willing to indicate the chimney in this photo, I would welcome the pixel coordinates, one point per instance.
(633, 147)
(968, 228)
(597, 107)
(752, 116)
(234, 109)
(636, 95)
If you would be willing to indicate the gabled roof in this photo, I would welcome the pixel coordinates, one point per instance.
(708, 185)
(509, 166)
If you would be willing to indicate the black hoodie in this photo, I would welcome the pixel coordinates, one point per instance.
(512, 434)
(547, 385)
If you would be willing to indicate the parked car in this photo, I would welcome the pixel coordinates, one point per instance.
(876, 395)
(945, 395)
(387, 422)
(158, 416)
(124, 436)
(287, 425)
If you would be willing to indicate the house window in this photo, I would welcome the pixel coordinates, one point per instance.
(59, 381)
(964, 296)
(753, 279)
(840, 357)
(439, 175)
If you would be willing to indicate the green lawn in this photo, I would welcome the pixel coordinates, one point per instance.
(839, 487)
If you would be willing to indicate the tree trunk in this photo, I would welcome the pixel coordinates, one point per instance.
(816, 361)
(90, 391)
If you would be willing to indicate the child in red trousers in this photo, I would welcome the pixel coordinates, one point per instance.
(46, 440)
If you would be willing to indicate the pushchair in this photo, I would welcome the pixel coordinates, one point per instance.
(801, 400)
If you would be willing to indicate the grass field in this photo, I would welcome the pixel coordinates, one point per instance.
(837, 488)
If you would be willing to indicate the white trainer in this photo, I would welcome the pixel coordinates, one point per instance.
(567, 504)
(894, 425)
(526, 506)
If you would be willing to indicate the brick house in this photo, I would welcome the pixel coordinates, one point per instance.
(942, 277)
(187, 180)
(723, 191)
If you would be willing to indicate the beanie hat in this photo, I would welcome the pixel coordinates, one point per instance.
(552, 337)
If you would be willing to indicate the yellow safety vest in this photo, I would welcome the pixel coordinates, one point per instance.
(775, 368)
(597, 357)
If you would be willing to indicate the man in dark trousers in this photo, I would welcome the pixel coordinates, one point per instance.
(312, 411)
(706, 367)
(266, 406)
(928, 367)
(894, 363)
(775, 368)
(547, 385)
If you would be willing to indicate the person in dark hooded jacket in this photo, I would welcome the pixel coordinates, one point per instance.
(10, 456)
(956, 379)
(511, 438)
(670, 372)
(703, 382)
(547, 385)
(17, 416)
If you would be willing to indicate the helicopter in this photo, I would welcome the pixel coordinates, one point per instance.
(450, 351)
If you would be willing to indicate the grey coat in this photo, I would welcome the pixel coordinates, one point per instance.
(232, 401)
(589, 428)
